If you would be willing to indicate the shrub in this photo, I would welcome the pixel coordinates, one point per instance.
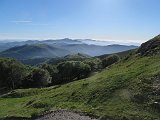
(71, 70)
(37, 78)
(110, 60)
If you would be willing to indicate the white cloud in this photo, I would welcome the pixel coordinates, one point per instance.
(29, 22)
(40, 24)
(22, 21)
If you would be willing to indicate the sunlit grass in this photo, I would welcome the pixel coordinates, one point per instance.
(108, 93)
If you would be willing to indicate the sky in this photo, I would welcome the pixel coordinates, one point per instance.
(118, 20)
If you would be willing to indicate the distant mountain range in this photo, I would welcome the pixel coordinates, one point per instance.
(6, 44)
(34, 49)
(95, 50)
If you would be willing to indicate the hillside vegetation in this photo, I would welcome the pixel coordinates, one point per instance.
(127, 90)
(53, 49)
(34, 51)
(151, 47)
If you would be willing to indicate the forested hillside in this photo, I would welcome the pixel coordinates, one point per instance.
(126, 89)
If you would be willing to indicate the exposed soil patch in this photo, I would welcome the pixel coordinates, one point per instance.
(64, 115)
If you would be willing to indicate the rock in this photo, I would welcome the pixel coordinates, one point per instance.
(150, 47)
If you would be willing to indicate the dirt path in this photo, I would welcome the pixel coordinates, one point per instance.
(64, 115)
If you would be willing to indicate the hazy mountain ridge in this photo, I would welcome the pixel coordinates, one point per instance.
(4, 45)
(52, 51)
(95, 50)
(34, 51)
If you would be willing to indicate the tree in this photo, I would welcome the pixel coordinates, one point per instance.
(37, 78)
(110, 60)
(72, 70)
(52, 69)
(94, 63)
(12, 73)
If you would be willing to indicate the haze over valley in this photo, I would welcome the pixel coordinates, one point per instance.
(79, 60)
(34, 49)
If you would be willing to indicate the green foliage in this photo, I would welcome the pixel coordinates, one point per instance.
(12, 73)
(53, 71)
(74, 57)
(68, 71)
(94, 63)
(128, 90)
(37, 78)
(16, 75)
(122, 55)
(72, 70)
(114, 93)
(78, 56)
(110, 60)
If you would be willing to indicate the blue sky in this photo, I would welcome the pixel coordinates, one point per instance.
(118, 20)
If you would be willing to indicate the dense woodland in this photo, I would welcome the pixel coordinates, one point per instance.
(14, 74)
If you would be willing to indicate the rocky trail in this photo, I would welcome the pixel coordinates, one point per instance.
(64, 115)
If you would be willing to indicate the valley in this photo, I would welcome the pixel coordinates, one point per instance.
(127, 89)
(34, 52)
(79, 60)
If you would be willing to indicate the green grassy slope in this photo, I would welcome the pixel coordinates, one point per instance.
(128, 90)
(124, 91)
(122, 55)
